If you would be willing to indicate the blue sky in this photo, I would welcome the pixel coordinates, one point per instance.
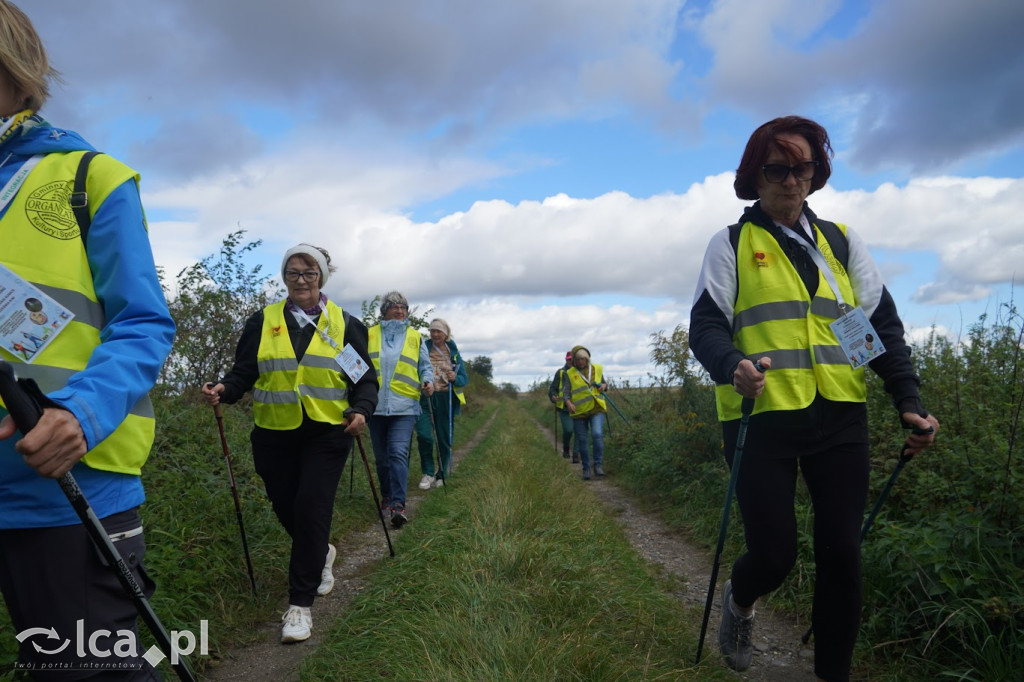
(548, 172)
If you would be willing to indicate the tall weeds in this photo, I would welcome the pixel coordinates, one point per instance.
(944, 563)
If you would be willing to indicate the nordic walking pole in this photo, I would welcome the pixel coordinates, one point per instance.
(746, 408)
(437, 446)
(609, 399)
(234, 493)
(376, 500)
(905, 457)
(351, 477)
(26, 411)
(451, 425)
(556, 428)
(606, 397)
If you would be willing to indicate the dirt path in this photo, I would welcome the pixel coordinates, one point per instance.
(358, 553)
(778, 654)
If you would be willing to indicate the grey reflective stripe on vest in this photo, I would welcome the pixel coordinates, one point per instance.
(323, 392)
(374, 356)
(412, 362)
(52, 379)
(826, 307)
(277, 365)
(405, 380)
(579, 390)
(85, 311)
(766, 312)
(830, 355)
(260, 395)
(800, 358)
(319, 362)
(794, 358)
(589, 398)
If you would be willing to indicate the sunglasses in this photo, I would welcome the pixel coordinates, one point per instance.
(778, 172)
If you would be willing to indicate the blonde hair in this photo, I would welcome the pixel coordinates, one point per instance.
(23, 57)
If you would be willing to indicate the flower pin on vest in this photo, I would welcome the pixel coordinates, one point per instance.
(276, 331)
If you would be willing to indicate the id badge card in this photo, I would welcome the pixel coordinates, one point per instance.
(29, 319)
(350, 362)
(858, 338)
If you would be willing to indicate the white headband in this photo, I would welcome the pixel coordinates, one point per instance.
(309, 251)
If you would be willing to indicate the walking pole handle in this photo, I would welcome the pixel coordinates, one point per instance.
(23, 407)
(747, 406)
(23, 400)
(905, 456)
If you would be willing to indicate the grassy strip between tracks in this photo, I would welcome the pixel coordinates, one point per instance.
(517, 573)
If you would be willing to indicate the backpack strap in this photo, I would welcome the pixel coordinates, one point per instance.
(836, 239)
(79, 198)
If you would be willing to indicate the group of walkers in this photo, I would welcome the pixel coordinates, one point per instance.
(578, 394)
(788, 309)
(319, 378)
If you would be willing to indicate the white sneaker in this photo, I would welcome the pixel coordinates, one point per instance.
(426, 482)
(297, 624)
(327, 575)
(438, 482)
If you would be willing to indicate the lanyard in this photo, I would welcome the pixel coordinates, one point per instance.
(322, 332)
(10, 190)
(819, 260)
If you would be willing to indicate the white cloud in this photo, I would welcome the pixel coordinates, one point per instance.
(510, 277)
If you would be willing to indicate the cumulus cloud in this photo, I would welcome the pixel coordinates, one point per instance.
(519, 281)
(920, 84)
(334, 123)
(412, 68)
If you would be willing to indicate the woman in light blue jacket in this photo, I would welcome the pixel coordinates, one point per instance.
(400, 356)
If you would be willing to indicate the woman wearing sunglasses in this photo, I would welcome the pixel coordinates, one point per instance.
(798, 295)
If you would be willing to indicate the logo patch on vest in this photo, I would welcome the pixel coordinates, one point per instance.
(49, 211)
(762, 259)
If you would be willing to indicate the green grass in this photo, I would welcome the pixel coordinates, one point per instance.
(518, 573)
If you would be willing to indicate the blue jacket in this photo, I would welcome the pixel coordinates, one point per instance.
(136, 339)
(392, 340)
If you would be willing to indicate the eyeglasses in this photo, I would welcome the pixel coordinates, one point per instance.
(399, 306)
(778, 172)
(306, 276)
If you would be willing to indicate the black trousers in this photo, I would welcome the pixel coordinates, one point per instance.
(55, 577)
(301, 469)
(837, 480)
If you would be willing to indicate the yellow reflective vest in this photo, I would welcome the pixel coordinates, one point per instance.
(559, 400)
(775, 316)
(406, 379)
(286, 385)
(41, 244)
(584, 393)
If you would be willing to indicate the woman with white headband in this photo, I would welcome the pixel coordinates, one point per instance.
(307, 409)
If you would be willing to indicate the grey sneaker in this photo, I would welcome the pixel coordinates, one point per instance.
(586, 473)
(598, 470)
(734, 634)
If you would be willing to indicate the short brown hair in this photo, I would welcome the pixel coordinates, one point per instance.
(23, 57)
(765, 138)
